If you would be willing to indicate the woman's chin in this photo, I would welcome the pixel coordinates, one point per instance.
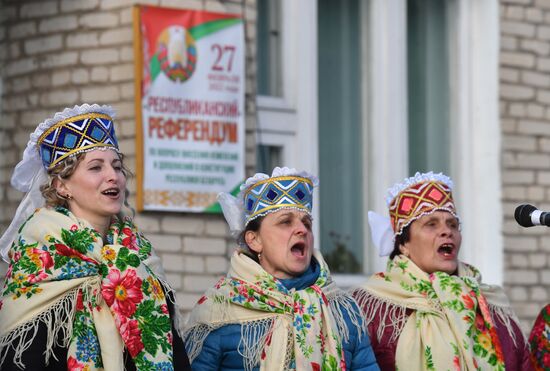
(297, 271)
(449, 267)
(290, 272)
(113, 211)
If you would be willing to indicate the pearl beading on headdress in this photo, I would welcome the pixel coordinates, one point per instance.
(262, 194)
(417, 196)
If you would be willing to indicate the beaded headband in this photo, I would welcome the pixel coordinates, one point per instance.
(272, 194)
(80, 133)
(417, 196)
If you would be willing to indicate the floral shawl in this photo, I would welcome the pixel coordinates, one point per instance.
(451, 321)
(539, 340)
(299, 329)
(97, 298)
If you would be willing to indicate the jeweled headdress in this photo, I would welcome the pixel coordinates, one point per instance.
(419, 195)
(262, 194)
(72, 131)
(275, 193)
(76, 134)
(67, 133)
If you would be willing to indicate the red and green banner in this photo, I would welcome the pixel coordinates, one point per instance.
(190, 107)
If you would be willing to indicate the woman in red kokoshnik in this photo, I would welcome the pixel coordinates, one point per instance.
(428, 310)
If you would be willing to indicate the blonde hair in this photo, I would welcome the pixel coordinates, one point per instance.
(64, 170)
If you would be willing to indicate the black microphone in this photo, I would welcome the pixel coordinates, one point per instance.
(528, 216)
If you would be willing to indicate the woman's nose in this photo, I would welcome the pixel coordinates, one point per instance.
(446, 230)
(301, 228)
(111, 173)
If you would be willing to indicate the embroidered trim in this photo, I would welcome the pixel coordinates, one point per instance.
(275, 209)
(424, 214)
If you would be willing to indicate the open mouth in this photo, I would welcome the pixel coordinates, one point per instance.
(111, 192)
(298, 249)
(446, 250)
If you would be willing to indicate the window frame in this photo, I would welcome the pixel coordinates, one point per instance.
(475, 150)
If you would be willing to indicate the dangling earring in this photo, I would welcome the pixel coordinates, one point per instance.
(65, 197)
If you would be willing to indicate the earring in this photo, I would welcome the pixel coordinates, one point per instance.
(67, 197)
(59, 195)
(259, 256)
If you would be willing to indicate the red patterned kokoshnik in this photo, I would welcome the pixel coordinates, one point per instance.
(417, 200)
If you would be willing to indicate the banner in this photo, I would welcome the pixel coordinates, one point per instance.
(189, 107)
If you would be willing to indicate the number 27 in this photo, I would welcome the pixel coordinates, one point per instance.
(221, 51)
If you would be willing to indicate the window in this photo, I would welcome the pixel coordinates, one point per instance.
(286, 130)
(340, 136)
(428, 86)
(267, 157)
(269, 79)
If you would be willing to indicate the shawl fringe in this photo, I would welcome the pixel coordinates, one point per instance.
(253, 339)
(254, 335)
(394, 315)
(340, 301)
(507, 317)
(390, 313)
(58, 320)
(194, 337)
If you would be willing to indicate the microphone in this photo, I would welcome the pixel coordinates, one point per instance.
(528, 216)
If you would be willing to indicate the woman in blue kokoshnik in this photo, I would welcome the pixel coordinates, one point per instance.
(277, 308)
(84, 289)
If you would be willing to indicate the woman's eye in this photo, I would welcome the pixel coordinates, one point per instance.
(95, 168)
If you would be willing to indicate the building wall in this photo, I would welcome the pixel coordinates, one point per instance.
(525, 120)
(58, 53)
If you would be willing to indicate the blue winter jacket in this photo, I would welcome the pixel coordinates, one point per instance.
(221, 351)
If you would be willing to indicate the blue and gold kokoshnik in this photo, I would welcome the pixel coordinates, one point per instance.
(284, 192)
(74, 135)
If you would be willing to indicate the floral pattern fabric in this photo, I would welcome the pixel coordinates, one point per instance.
(249, 294)
(450, 326)
(100, 296)
(539, 340)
